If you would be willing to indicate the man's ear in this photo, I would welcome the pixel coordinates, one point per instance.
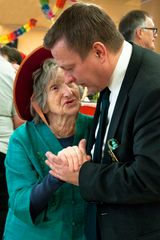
(99, 50)
(138, 33)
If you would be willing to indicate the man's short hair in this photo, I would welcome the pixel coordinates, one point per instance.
(130, 22)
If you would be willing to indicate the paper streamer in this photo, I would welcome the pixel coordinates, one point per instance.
(56, 9)
(4, 39)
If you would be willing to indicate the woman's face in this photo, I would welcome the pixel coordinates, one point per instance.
(62, 99)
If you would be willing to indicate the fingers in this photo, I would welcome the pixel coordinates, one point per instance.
(60, 169)
(51, 157)
(53, 160)
(73, 157)
(82, 146)
(65, 175)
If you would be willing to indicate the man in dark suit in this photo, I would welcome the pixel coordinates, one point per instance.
(123, 179)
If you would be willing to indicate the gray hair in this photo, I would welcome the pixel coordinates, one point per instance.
(42, 77)
(80, 26)
(131, 21)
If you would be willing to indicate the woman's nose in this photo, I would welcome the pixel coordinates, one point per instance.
(67, 91)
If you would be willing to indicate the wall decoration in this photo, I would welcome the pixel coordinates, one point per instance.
(46, 9)
(4, 39)
(56, 9)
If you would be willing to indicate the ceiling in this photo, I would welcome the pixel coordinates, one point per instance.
(19, 12)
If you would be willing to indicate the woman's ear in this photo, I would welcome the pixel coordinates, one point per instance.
(46, 110)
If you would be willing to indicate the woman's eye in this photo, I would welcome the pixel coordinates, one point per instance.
(54, 87)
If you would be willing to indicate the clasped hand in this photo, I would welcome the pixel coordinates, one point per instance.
(67, 163)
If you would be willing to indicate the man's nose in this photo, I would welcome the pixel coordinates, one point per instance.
(155, 35)
(68, 78)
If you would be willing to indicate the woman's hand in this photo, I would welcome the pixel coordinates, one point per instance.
(67, 163)
(74, 156)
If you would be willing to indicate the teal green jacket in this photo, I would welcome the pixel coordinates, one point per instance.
(63, 218)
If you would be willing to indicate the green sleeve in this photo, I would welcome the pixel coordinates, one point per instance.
(21, 177)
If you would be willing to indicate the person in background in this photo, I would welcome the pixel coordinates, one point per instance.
(122, 177)
(41, 206)
(11, 54)
(8, 119)
(138, 26)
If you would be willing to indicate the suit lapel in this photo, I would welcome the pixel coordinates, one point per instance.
(129, 78)
(131, 73)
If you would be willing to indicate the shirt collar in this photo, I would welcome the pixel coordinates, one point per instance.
(121, 67)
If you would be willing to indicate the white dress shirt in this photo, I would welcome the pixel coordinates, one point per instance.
(115, 85)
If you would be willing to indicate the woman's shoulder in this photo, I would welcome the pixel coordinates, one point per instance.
(24, 130)
(84, 121)
(85, 117)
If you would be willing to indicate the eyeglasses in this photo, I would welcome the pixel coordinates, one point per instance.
(112, 145)
(153, 29)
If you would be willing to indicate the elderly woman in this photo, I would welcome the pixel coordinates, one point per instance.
(41, 207)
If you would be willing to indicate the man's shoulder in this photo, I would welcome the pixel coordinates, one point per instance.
(145, 51)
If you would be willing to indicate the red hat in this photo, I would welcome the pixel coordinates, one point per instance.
(23, 85)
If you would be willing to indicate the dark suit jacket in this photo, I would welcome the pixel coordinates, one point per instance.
(127, 193)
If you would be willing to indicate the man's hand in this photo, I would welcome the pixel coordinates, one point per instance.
(74, 156)
(67, 163)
